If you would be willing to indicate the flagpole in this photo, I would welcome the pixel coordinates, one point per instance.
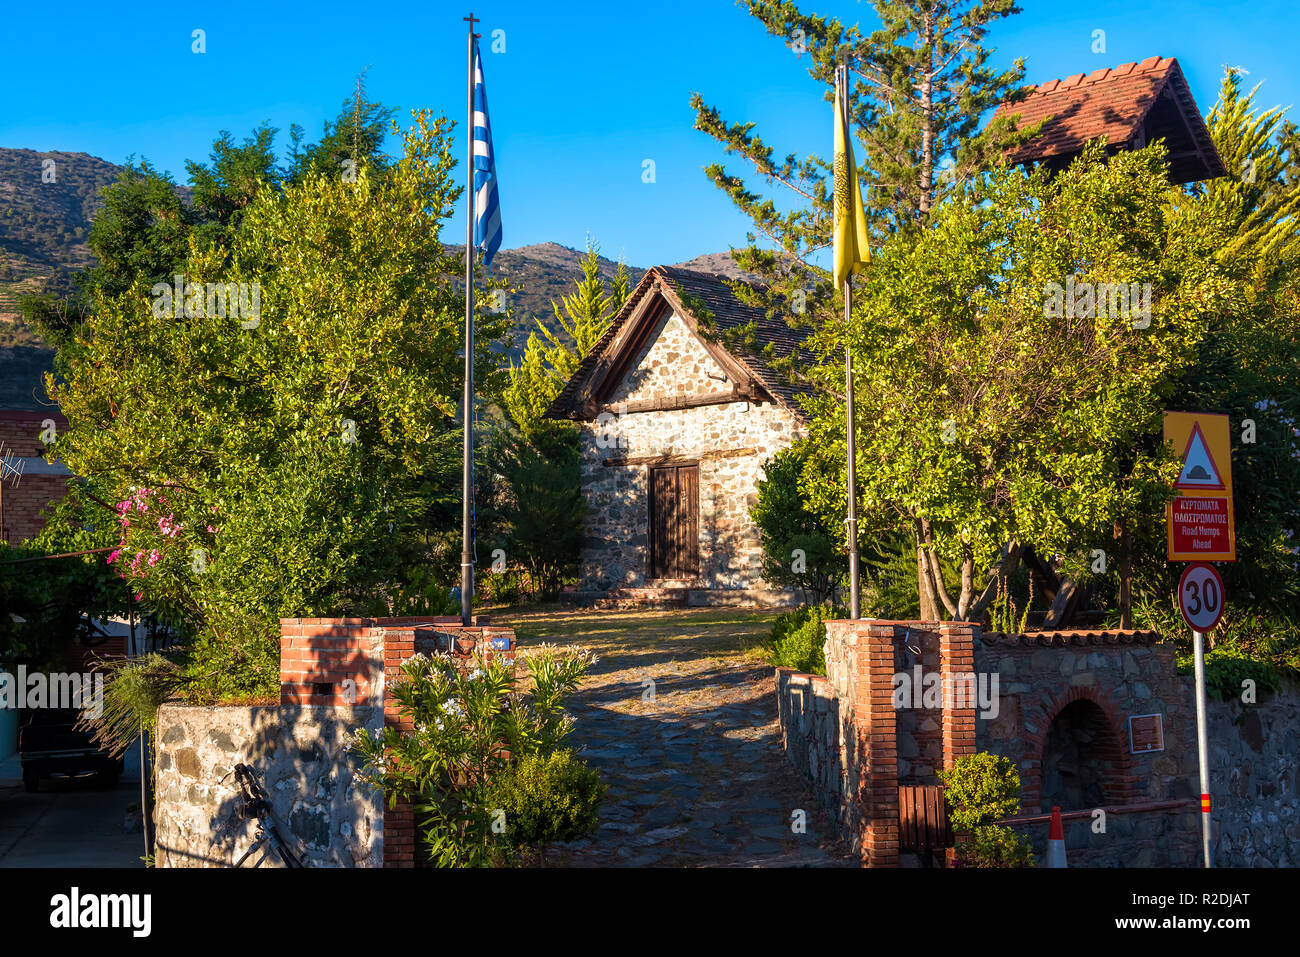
(467, 465)
(852, 522)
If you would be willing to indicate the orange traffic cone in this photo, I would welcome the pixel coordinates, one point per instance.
(1056, 841)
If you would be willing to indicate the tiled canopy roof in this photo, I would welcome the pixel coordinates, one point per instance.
(1129, 105)
(726, 313)
(1072, 636)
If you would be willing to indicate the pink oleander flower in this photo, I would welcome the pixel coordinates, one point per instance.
(139, 596)
(154, 555)
(212, 530)
(112, 556)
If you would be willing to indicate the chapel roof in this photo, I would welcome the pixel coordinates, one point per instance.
(711, 307)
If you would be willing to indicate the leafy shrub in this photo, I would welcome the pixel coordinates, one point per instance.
(980, 788)
(134, 689)
(503, 588)
(422, 594)
(233, 665)
(548, 798)
(995, 846)
(1227, 666)
(789, 525)
(798, 639)
(544, 509)
(468, 729)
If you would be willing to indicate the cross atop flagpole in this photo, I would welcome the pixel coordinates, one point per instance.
(467, 464)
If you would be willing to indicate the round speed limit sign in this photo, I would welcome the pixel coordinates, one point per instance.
(1200, 596)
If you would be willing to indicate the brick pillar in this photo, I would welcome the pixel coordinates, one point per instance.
(399, 820)
(957, 671)
(878, 722)
(351, 661)
(330, 661)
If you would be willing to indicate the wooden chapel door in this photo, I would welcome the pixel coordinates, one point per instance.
(674, 521)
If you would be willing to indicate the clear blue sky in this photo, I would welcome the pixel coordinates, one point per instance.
(582, 95)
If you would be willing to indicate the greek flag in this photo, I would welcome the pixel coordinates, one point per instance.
(487, 211)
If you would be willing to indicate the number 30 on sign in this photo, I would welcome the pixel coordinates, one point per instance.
(1200, 596)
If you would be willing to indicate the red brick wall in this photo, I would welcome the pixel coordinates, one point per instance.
(318, 655)
(21, 502)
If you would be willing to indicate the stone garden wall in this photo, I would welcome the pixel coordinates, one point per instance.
(333, 672)
(299, 752)
(814, 736)
(1062, 712)
(1254, 779)
(1111, 676)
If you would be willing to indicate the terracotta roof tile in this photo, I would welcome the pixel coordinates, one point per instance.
(1073, 637)
(1111, 103)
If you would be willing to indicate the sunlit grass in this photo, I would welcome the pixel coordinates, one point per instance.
(714, 631)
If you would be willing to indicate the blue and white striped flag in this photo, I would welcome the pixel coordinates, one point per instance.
(487, 211)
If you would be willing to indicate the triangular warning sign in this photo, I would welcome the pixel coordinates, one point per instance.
(1199, 470)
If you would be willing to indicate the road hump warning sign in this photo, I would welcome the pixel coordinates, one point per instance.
(1199, 470)
(1200, 520)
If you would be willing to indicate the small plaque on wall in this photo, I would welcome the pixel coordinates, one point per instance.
(1145, 733)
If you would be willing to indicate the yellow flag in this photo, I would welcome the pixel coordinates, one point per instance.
(852, 248)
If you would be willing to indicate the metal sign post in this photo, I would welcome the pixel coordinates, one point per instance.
(1200, 601)
(1202, 744)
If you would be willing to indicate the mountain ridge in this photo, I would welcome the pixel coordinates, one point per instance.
(45, 217)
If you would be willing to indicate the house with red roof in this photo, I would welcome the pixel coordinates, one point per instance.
(1128, 106)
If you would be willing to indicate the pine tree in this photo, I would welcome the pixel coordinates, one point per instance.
(550, 361)
(919, 86)
(1261, 193)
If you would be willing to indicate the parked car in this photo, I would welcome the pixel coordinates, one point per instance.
(50, 745)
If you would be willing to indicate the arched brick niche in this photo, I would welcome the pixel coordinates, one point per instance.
(1076, 733)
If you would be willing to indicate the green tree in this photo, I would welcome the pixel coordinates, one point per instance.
(541, 502)
(144, 228)
(257, 467)
(800, 547)
(997, 418)
(548, 362)
(1248, 367)
(543, 511)
(919, 87)
(356, 134)
(228, 183)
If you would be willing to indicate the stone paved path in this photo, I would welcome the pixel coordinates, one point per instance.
(696, 774)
